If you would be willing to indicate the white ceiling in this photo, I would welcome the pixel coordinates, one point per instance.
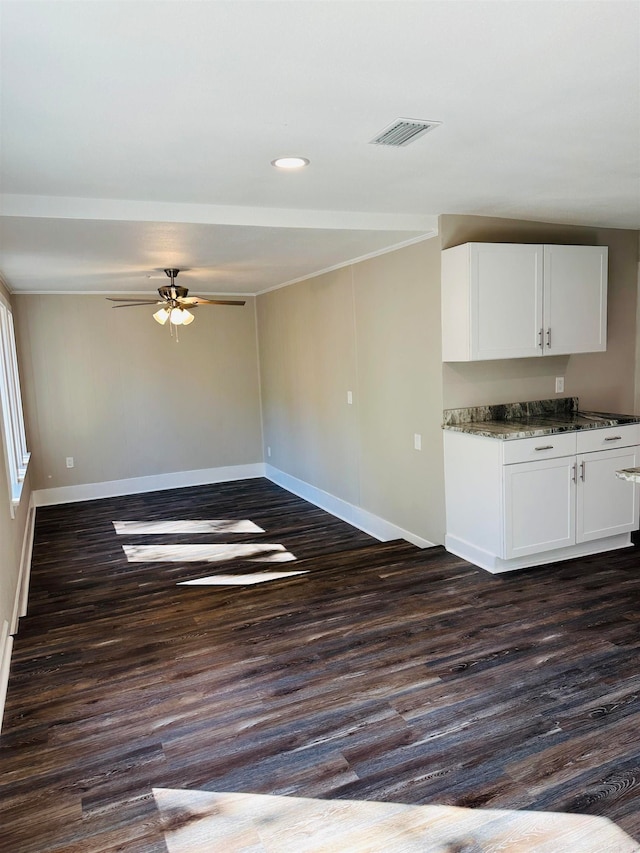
(139, 135)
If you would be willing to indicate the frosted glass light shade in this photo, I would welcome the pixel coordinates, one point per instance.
(161, 316)
(178, 316)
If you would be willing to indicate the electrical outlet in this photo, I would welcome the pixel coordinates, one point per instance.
(417, 441)
(350, 398)
(269, 451)
(69, 461)
(559, 384)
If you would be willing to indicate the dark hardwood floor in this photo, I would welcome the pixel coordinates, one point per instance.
(385, 673)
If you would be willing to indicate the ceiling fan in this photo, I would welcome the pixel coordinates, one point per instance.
(175, 302)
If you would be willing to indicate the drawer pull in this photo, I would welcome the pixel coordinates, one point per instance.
(545, 447)
(613, 438)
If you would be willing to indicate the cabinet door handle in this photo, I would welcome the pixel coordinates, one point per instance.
(614, 438)
(575, 472)
(549, 338)
(540, 341)
(545, 447)
(583, 466)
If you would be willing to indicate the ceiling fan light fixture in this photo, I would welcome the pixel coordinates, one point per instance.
(173, 299)
(290, 162)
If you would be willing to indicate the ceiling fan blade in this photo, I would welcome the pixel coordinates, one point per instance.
(197, 300)
(136, 304)
(134, 301)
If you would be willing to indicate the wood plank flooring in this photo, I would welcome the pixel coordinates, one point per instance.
(385, 673)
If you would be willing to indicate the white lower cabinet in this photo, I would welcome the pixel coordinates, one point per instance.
(559, 502)
(540, 506)
(524, 502)
(604, 507)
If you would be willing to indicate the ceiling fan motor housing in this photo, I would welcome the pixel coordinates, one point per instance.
(174, 292)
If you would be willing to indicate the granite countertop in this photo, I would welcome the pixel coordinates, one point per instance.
(632, 475)
(530, 419)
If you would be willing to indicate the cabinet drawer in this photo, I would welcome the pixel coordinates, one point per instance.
(544, 447)
(608, 438)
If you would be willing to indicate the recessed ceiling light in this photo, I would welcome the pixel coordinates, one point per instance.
(290, 162)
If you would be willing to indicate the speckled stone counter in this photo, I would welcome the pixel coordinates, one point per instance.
(530, 419)
(630, 474)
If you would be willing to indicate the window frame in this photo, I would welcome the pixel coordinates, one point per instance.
(11, 410)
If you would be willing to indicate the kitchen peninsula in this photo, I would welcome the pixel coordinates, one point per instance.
(535, 482)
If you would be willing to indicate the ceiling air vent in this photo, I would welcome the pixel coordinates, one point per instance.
(403, 131)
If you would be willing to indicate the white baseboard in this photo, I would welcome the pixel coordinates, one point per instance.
(366, 521)
(496, 565)
(24, 572)
(19, 607)
(152, 483)
(6, 645)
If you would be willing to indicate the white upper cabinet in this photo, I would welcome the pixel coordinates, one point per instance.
(575, 299)
(510, 300)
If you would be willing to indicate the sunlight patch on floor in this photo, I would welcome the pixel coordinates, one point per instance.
(203, 821)
(212, 553)
(187, 525)
(240, 580)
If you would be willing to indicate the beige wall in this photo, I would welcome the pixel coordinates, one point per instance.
(11, 534)
(308, 364)
(397, 303)
(112, 389)
(374, 329)
(604, 381)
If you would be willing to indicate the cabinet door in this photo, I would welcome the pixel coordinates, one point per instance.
(606, 505)
(540, 506)
(506, 300)
(575, 299)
